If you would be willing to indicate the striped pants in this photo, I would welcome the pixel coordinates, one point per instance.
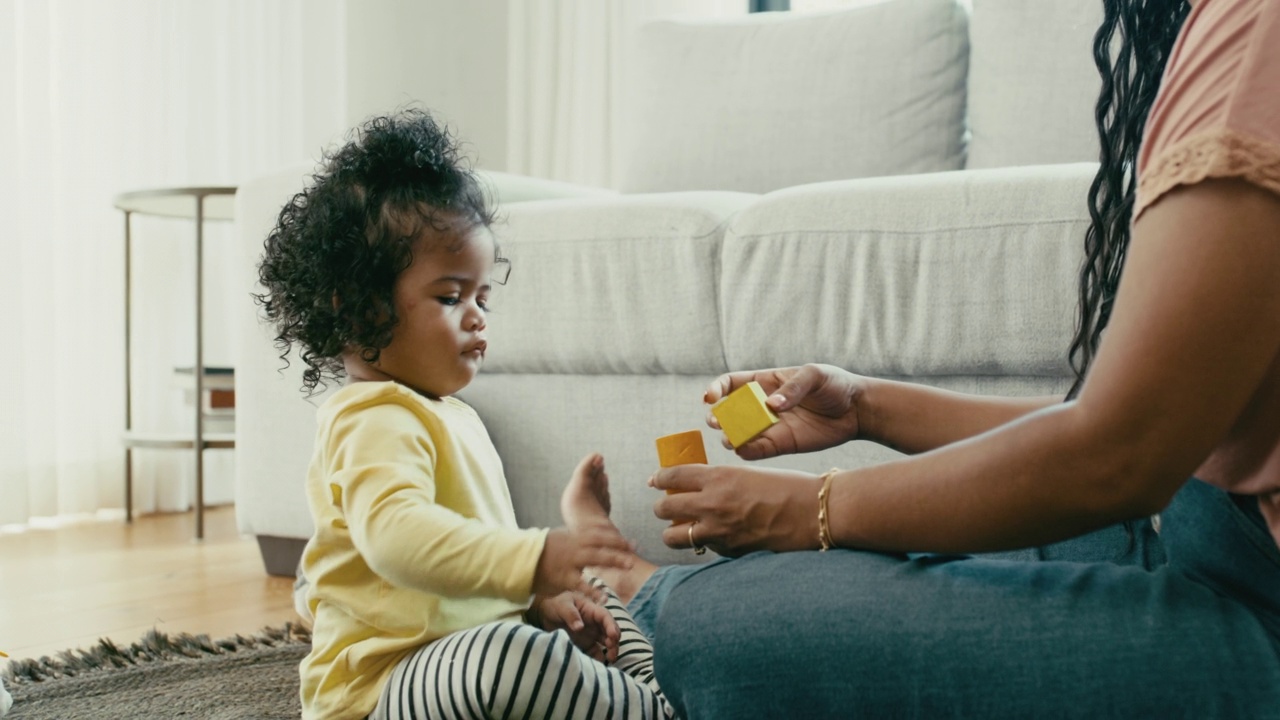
(513, 670)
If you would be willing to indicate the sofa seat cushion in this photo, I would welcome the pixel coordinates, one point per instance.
(965, 273)
(777, 99)
(623, 286)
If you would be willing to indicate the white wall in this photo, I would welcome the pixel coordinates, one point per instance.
(568, 67)
(448, 55)
(324, 84)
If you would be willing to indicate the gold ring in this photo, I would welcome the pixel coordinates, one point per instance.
(697, 550)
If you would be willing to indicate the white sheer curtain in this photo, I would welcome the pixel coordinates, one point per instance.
(566, 61)
(98, 98)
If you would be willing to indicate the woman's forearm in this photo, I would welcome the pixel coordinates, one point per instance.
(1043, 478)
(917, 418)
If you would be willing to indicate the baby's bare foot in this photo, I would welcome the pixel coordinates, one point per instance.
(585, 502)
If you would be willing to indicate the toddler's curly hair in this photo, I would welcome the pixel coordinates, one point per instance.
(330, 264)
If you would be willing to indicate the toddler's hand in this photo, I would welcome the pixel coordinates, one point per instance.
(568, 552)
(589, 625)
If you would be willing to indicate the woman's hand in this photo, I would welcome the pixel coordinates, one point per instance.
(737, 510)
(589, 625)
(817, 408)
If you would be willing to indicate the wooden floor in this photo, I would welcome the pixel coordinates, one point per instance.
(66, 587)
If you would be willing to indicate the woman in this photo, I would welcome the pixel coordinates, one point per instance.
(1187, 385)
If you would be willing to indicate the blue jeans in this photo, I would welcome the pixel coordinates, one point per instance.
(1108, 627)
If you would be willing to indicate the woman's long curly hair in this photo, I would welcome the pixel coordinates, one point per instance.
(1147, 30)
(330, 264)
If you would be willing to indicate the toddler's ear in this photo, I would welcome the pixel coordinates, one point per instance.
(336, 302)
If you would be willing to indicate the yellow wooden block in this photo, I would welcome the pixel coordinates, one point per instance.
(681, 449)
(743, 415)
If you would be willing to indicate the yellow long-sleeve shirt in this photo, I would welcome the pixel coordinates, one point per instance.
(415, 538)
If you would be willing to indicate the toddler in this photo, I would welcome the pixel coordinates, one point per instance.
(428, 600)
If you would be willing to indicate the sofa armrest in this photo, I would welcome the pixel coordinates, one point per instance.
(275, 424)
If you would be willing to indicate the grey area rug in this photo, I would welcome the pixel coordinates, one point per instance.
(164, 676)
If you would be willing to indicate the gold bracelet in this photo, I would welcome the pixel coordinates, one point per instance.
(824, 522)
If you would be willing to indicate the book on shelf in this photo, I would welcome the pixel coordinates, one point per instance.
(219, 385)
(213, 377)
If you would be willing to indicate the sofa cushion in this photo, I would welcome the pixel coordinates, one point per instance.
(778, 99)
(505, 188)
(623, 285)
(928, 275)
(1032, 82)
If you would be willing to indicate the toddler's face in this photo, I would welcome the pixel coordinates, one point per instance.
(439, 343)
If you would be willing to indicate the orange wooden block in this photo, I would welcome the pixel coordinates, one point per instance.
(681, 449)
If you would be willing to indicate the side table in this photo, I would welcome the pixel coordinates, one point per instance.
(190, 203)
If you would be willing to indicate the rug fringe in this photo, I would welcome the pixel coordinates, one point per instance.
(155, 646)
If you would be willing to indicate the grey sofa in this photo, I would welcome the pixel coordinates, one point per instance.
(926, 225)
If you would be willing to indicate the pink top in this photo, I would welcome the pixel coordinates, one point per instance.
(1217, 115)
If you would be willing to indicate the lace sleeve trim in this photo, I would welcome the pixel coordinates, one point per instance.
(1220, 153)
